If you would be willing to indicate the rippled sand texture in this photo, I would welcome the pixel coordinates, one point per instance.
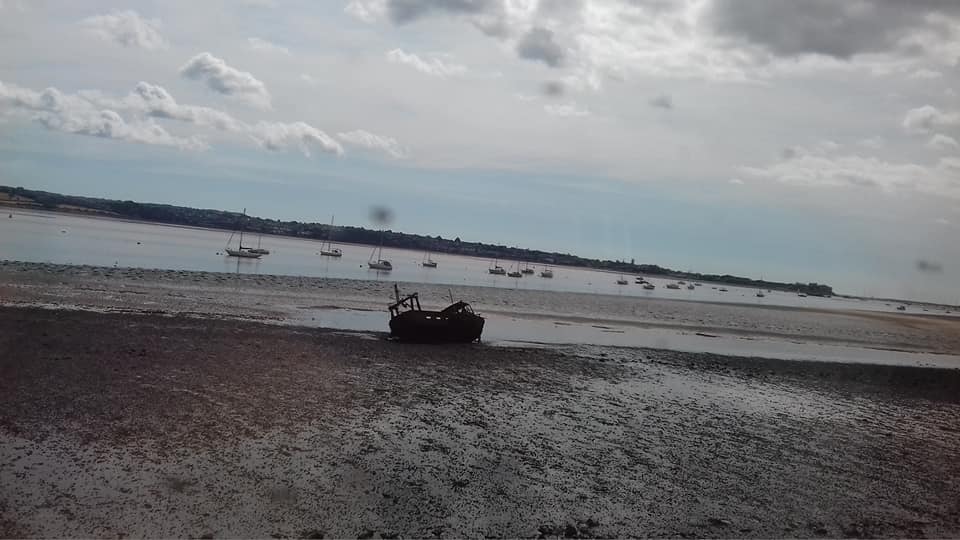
(116, 424)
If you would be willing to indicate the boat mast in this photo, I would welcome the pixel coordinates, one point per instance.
(241, 227)
(329, 234)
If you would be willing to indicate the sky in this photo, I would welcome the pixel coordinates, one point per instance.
(794, 140)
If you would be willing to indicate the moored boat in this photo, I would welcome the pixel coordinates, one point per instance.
(326, 248)
(242, 251)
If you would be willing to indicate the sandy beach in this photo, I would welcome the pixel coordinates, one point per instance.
(194, 414)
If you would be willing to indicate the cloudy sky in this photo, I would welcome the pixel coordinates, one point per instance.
(795, 140)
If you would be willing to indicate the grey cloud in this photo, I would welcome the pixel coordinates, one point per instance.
(226, 80)
(404, 11)
(829, 27)
(565, 11)
(932, 267)
(538, 45)
(662, 102)
(126, 28)
(552, 88)
(788, 153)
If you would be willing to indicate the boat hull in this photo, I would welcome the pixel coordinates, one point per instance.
(386, 267)
(243, 254)
(331, 253)
(436, 327)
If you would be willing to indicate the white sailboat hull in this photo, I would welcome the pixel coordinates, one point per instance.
(242, 253)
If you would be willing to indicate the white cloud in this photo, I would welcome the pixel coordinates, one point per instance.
(873, 143)
(126, 28)
(372, 141)
(226, 80)
(432, 66)
(924, 120)
(262, 45)
(926, 74)
(278, 136)
(817, 168)
(367, 11)
(826, 146)
(71, 113)
(152, 100)
(133, 118)
(309, 79)
(736, 181)
(942, 142)
(568, 110)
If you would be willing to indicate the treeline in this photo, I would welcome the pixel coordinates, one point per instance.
(219, 219)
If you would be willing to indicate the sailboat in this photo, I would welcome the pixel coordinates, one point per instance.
(427, 261)
(496, 269)
(242, 252)
(527, 269)
(622, 281)
(326, 247)
(259, 249)
(546, 273)
(379, 263)
(515, 273)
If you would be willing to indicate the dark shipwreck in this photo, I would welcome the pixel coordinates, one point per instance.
(457, 323)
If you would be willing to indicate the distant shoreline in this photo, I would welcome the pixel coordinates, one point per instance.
(705, 282)
(222, 220)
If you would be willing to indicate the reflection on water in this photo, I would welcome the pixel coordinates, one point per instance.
(67, 239)
(513, 331)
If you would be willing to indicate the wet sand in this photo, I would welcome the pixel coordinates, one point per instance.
(150, 425)
(300, 300)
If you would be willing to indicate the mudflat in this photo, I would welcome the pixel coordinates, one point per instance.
(156, 425)
(300, 300)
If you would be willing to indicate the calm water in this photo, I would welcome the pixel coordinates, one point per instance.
(66, 239)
